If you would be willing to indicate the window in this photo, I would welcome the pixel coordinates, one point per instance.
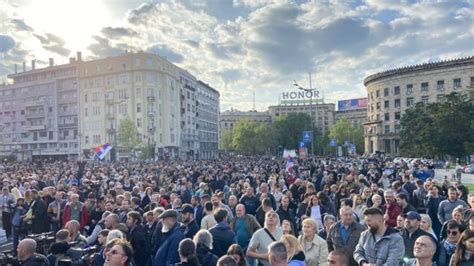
(440, 98)
(86, 139)
(139, 107)
(387, 129)
(139, 122)
(378, 105)
(138, 77)
(440, 85)
(85, 98)
(397, 103)
(138, 93)
(377, 93)
(409, 88)
(397, 115)
(397, 128)
(456, 84)
(410, 101)
(424, 99)
(385, 92)
(387, 116)
(424, 86)
(137, 62)
(372, 95)
(149, 62)
(386, 104)
(396, 90)
(472, 81)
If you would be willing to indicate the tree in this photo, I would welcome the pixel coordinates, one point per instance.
(226, 141)
(127, 135)
(288, 129)
(343, 131)
(245, 139)
(438, 129)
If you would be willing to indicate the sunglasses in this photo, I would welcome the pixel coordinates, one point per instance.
(452, 233)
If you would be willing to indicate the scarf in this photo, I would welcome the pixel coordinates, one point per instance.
(449, 247)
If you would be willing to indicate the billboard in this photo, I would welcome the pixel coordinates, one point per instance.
(352, 104)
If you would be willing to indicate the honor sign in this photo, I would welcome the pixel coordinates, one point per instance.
(300, 95)
(300, 98)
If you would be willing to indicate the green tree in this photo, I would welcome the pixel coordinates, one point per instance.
(343, 131)
(288, 129)
(438, 129)
(127, 136)
(226, 141)
(244, 137)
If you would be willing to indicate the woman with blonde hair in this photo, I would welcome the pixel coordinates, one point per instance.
(426, 225)
(359, 206)
(295, 251)
(314, 247)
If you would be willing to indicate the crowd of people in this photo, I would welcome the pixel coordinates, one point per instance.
(239, 210)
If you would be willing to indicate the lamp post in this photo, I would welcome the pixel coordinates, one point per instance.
(311, 91)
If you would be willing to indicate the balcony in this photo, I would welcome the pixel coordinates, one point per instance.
(183, 110)
(34, 115)
(35, 127)
(150, 98)
(151, 113)
(110, 116)
(66, 125)
(33, 103)
(111, 130)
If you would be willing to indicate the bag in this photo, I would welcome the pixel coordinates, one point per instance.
(269, 234)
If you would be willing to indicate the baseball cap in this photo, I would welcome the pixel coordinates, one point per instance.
(411, 215)
(187, 208)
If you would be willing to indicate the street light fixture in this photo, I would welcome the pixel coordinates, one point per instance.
(311, 90)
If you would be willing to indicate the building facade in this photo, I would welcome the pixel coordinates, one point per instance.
(140, 86)
(208, 121)
(188, 101)
(39, 112)
(229, 118)
(65, 111)
(392, 92)
(355, 110)
(322, 114)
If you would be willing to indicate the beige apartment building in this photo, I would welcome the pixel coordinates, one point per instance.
(394, 91)
(141, 86)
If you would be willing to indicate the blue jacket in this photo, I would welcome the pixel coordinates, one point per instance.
(168, 247)
(222, 238)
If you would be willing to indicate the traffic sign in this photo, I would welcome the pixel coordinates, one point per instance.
(307, 136)
(332, 142)
(301, 144)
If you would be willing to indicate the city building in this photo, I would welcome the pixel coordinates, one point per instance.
(208, 121)
(188, 101)
(391, 92)
(322, 114)
(39, 112)
(229, 118)
(355, 110)
(65, 111)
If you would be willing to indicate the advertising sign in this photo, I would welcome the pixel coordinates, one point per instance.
(352, 104)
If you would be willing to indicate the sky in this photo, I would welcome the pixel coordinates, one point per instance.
(242, 47)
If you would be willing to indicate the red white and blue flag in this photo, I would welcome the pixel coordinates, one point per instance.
(102, 150)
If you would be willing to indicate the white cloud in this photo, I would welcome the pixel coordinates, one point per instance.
(246, 46)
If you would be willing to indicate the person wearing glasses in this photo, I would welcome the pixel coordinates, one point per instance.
(448, 246)
(120, 254)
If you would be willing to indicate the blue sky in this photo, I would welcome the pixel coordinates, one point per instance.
(245, 46)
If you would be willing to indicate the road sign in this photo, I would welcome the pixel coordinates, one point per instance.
(307, 136)
(301, 144)
(333, 143)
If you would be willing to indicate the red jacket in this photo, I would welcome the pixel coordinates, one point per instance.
(393, 211)
(84, 216)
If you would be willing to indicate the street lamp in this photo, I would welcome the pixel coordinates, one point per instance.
(311, 91)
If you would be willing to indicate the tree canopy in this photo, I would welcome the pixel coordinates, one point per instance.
(127, 136)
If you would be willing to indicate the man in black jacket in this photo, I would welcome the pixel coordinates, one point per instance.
(222, 235)
(411, 232)
(137, 238)
(39, 214)
(27, 256)
(188, 223)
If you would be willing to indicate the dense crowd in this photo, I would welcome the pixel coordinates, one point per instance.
(238, 211)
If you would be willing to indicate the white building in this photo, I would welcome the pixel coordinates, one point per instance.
(208, 121)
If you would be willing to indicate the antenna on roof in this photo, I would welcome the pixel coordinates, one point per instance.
(253, 106)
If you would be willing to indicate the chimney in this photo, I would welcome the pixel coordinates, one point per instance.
(72, 60)
(16, 68)
(79, 56)
(24, 66)
(51, 62)
(33, 63)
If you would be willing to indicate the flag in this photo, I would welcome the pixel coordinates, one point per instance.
(102, 150)
(289, 164)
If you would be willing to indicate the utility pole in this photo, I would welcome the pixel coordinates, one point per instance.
(311, 115)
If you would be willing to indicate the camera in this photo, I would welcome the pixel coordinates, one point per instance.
(43, 241)
(80, 256)
(7, 258)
